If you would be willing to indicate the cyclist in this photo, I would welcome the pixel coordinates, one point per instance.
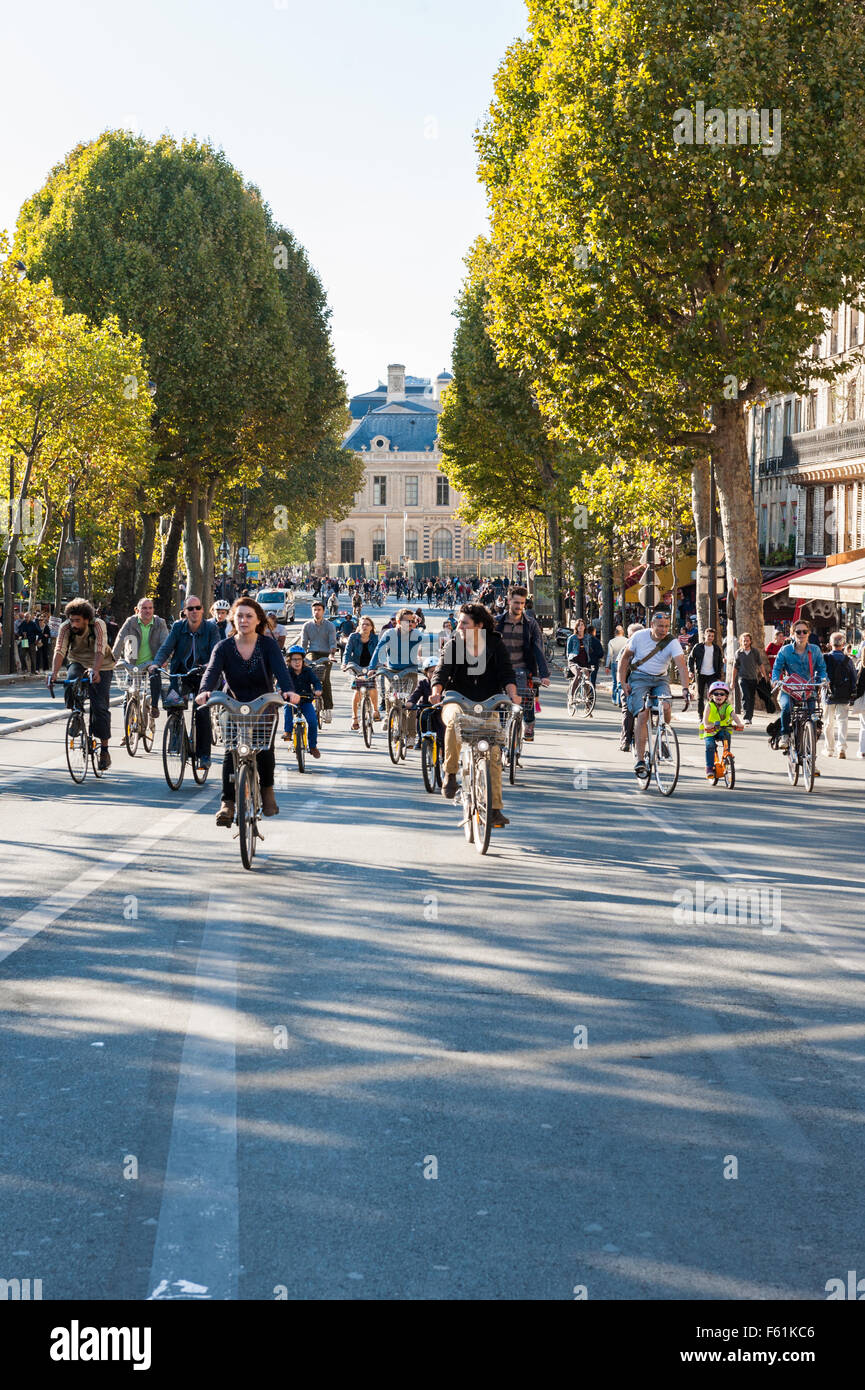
(82, 643)
(358, 652)
(357, 603)
(190, 643)
(307, 684)
(475, 664)
(583, 650)
(399, 650)
(524, 640)
(141, 635)
(219, 615)
(719, 718)
(421, 699)
(249, 663)
(642, 671)
(799, 658)
(318, 637)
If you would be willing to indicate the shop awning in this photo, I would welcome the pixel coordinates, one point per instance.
(781, 581)
(686, 567)
(838, 583)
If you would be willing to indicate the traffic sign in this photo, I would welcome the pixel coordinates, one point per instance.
(243, 555)
(650, 555)
(521, 567)
(703, 550)
(650, 593)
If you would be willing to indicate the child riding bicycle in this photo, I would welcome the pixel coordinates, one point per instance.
(719, 718)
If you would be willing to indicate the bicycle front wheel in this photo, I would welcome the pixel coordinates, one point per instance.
(589, 697)
(366, 721)
(174, 751)
(77, 751)
(147, 726)
(809, 756)
(513, 752)
(729, 772)
(246, 815)
(394, 735)
(199, 773)
(483, 805)
(427, 764)
(666, 760)
(131, 727)
(299, 746)
(793, 759)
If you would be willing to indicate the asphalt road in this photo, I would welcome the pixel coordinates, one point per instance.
(622, 1053)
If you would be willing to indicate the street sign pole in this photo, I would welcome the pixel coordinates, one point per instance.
(713, 574)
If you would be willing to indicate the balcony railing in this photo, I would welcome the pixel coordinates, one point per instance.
(823, 446)
(773, 465)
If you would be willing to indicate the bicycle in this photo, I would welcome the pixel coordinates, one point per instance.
(581, 698)
(725, 764)
(81, 744)
(321, 667)
(299, 736)
(662, 750)
(431, 751)
(806, 725)
(138, 725)
(377, 599)
(399, 685)
(247, 728)
(366, 684)
(179, 744)
(478, 737)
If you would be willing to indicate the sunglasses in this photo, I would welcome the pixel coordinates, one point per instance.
(802, 631)
(193, 607)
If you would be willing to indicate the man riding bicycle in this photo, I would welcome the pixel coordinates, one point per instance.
(803, 661)
(642, 671)
(319, 638)
(141, 635)
(189, 644)
(400, 650)
(83, 643)
(524, 640)
(475, 663)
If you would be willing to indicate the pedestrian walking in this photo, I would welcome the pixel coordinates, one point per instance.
(615, 647)
(748, 668)
(837, 700)
(705, 664)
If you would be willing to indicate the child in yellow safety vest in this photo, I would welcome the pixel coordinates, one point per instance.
(719, 718)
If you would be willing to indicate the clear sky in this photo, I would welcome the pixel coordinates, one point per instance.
(353, 117)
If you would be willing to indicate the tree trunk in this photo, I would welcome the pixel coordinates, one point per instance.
(165, 583)
(123, 592)
(607, 609)
(555, 532)
(8, 652)
(700, 504)
(191, 551)
(58, 564)
(206, 550)
(149, 523)
(738, 518)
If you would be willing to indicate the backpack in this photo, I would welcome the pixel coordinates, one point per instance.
(842, 680)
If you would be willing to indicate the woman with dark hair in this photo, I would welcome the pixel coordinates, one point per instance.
(249, 662)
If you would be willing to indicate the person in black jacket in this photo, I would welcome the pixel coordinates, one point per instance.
(705, 663)
(843, 679)
(524, 640)
(475, 663)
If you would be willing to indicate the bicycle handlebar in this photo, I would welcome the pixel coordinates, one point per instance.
(495, 702)
(245, 707)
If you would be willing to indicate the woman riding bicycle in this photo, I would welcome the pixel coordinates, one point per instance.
(249, 662)
(358, 652)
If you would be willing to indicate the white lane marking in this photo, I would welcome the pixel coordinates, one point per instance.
(196, 1252)
(36, 919)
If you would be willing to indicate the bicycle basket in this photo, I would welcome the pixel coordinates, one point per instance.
(472, 728)
(402, 683)
(796, 687)
(129, 679)
(251, 731)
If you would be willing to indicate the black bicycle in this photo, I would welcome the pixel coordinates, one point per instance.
(82, 746)
(179, 744)
(431, 750)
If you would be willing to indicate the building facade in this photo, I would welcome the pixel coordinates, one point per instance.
(404, 516)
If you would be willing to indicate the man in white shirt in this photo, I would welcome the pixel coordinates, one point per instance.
(642, 668)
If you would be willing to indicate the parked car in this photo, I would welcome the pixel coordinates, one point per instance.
(279, 602)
